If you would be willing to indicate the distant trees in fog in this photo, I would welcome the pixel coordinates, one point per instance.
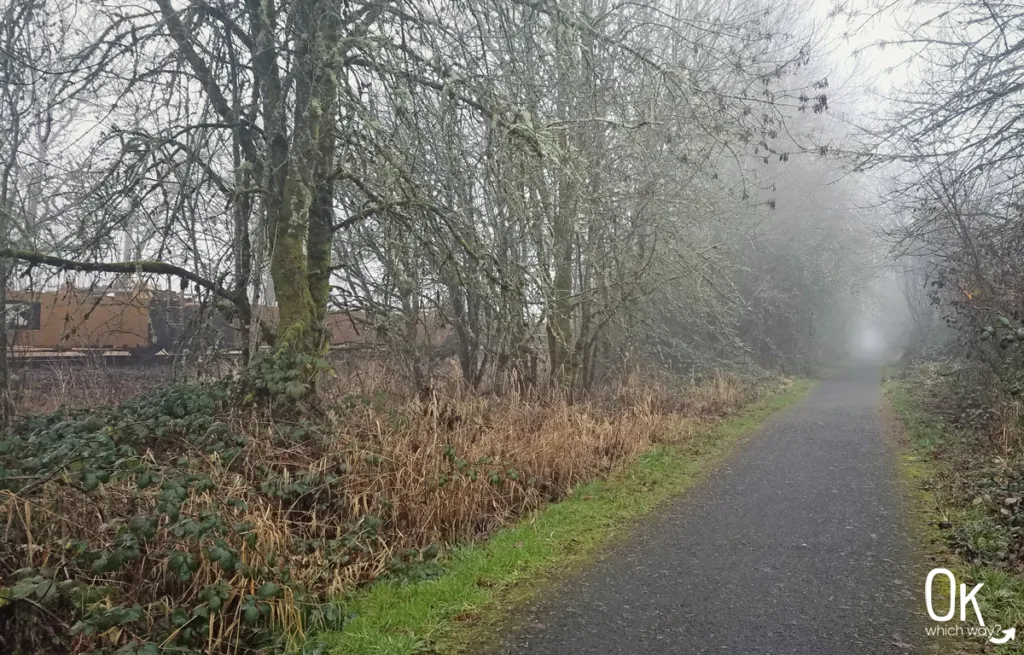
(958, 130)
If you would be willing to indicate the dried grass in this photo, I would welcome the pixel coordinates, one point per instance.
(403, 461)
(408, 476)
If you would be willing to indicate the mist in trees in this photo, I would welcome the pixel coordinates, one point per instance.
(552, 193)
(948, 139)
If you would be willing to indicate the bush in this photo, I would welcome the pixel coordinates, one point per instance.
(160, 523)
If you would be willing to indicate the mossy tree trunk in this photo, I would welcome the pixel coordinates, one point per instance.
(299, 185)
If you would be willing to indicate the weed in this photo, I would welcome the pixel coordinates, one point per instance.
(461, 603)
(976, 494)
(219, 517)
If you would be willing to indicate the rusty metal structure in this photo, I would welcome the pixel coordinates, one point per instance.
(133, 322)
(129, 323)
(113, 322)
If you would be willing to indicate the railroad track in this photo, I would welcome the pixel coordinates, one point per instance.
(91, 357)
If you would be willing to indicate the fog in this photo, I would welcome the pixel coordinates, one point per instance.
(312, 311)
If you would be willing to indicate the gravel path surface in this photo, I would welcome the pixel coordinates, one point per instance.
(796, 545)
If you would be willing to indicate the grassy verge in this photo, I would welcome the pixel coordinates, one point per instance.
(465, 602)
(956, 479)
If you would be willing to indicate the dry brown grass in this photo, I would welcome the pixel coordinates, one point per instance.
(382, 482)
(405, 463)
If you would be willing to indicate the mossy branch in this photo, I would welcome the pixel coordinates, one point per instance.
(140, 266)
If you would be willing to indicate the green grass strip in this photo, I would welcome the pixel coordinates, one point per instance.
(481, 580)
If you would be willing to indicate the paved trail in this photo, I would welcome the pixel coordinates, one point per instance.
(796, 546)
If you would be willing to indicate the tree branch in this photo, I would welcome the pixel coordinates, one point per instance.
(142, 266)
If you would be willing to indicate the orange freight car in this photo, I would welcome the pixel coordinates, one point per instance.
(78, 319)
(139, 322)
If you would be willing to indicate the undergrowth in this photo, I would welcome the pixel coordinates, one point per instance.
(973, 474)
(220, 517)
(463, 606)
